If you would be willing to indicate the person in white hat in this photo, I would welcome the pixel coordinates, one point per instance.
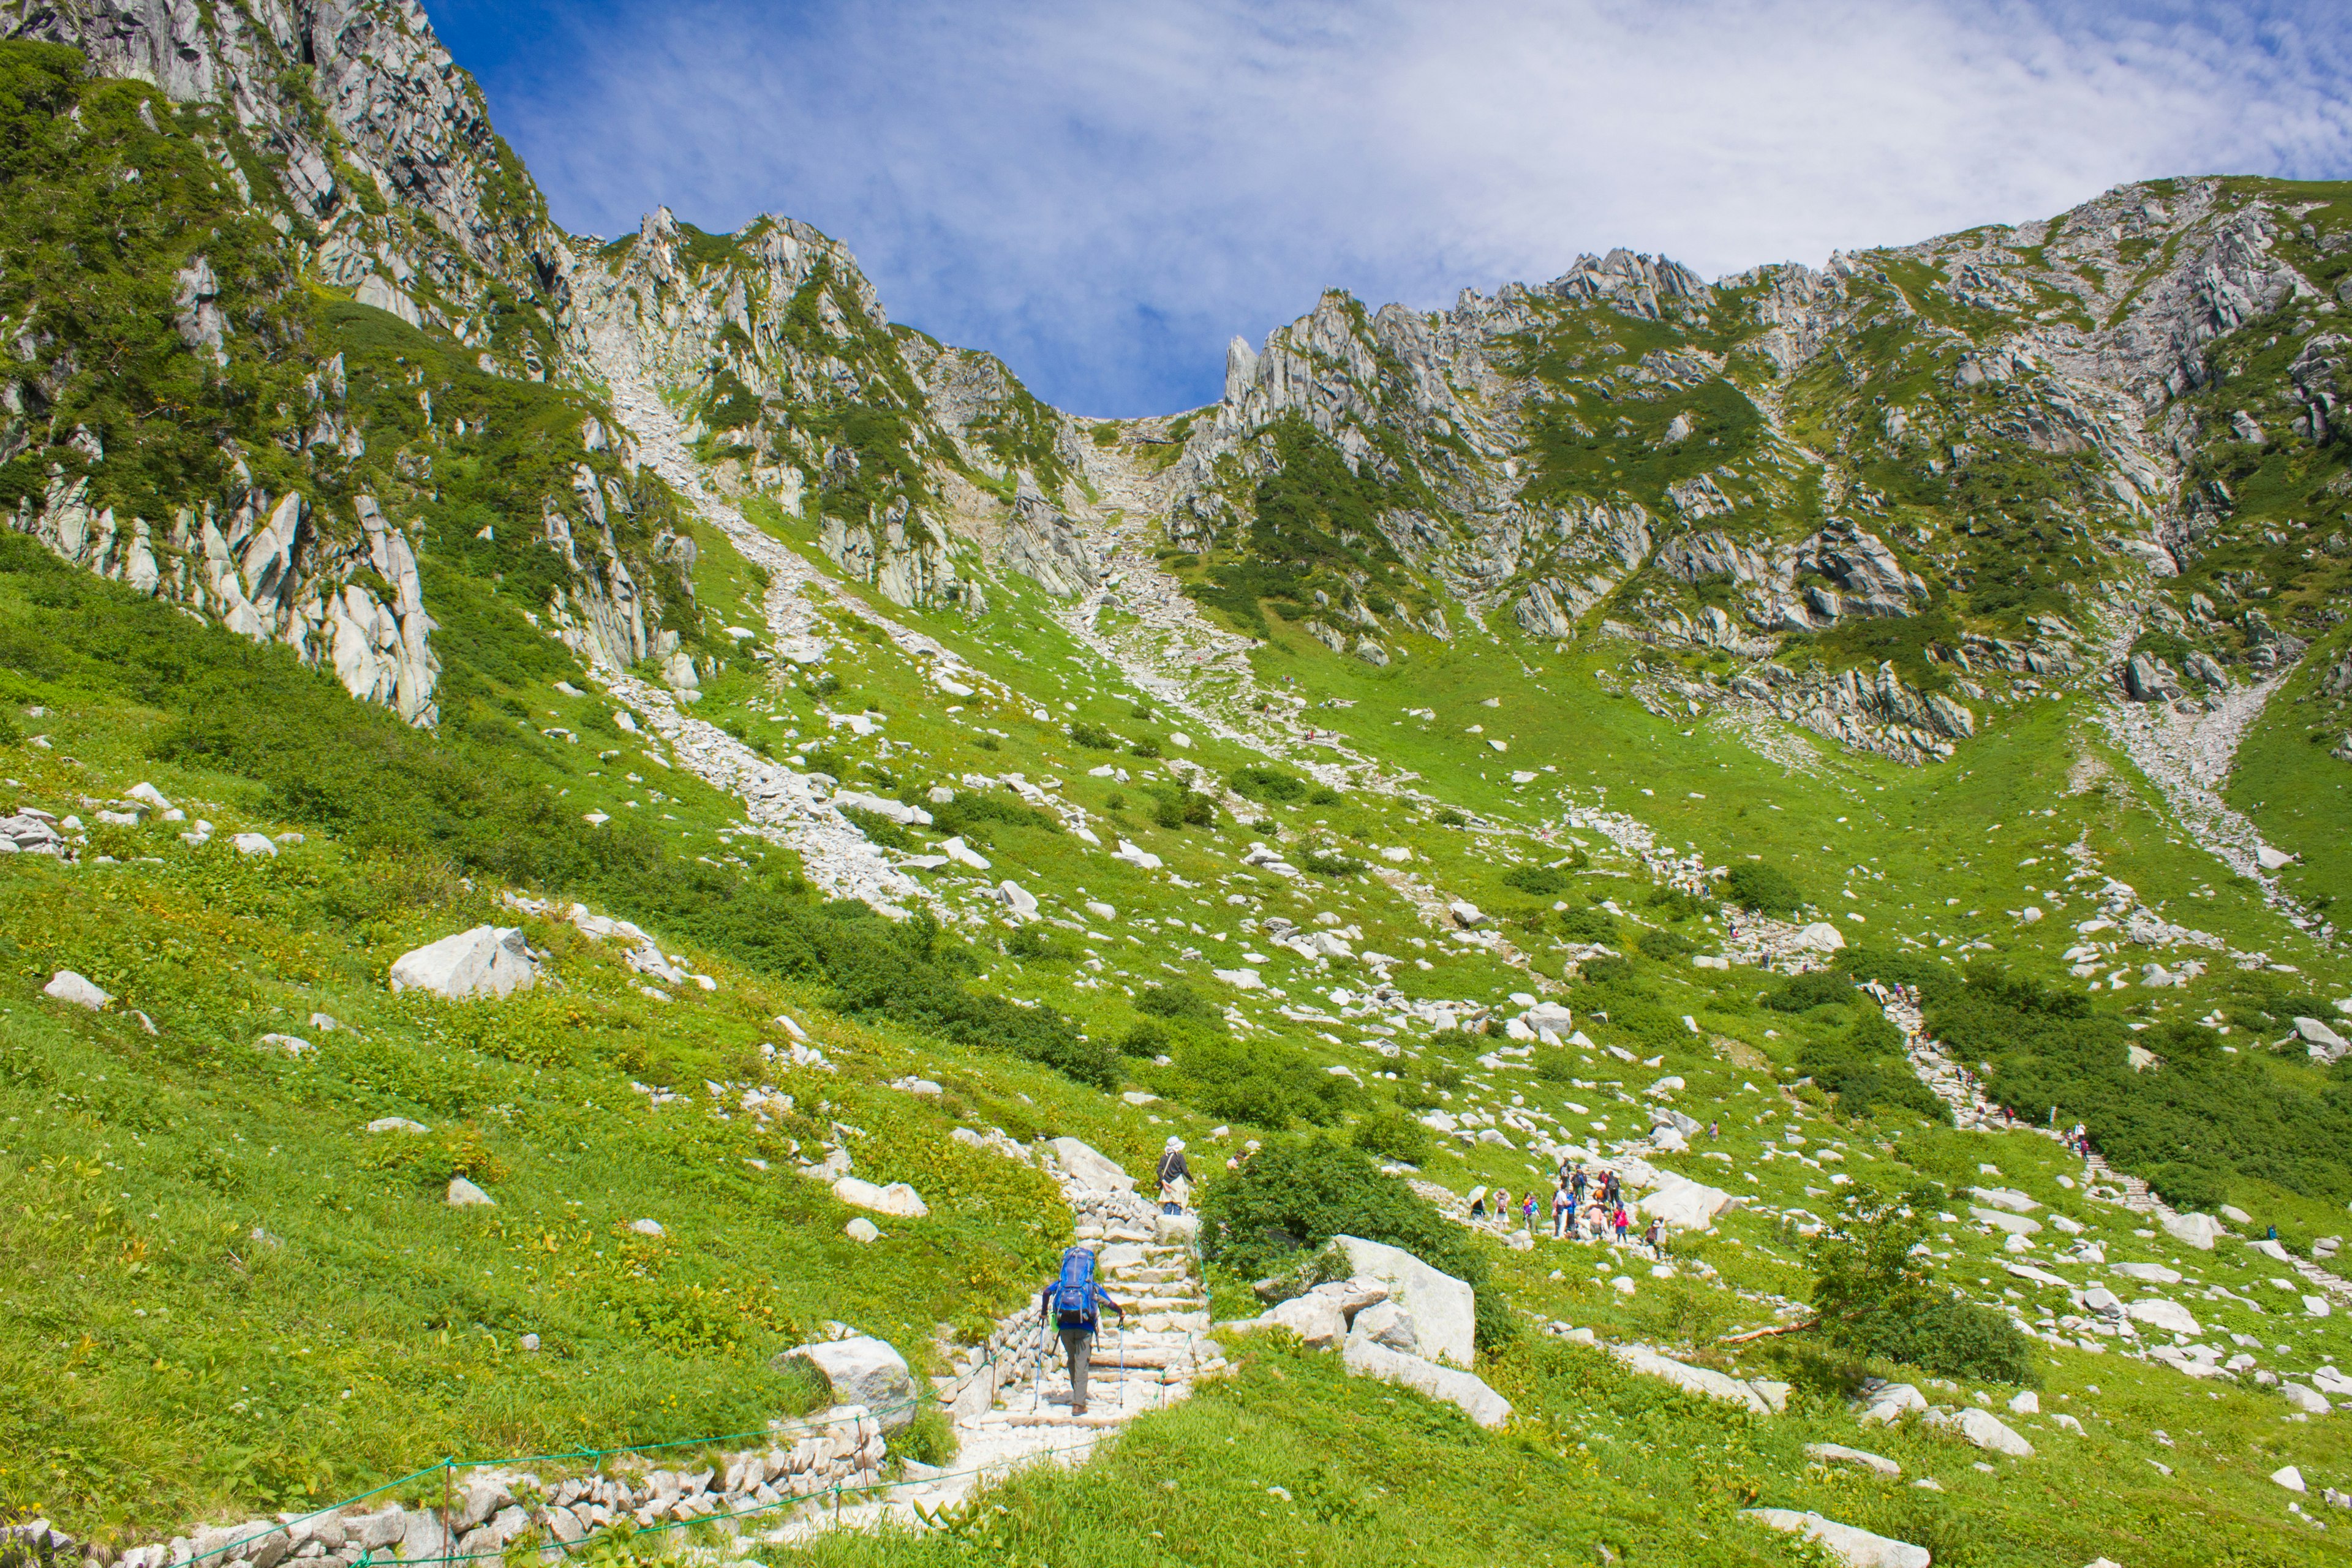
(1175, 1178)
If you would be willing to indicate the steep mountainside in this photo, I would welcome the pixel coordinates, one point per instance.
(607, 854)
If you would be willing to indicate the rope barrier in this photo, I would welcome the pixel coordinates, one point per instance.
(442, 1466)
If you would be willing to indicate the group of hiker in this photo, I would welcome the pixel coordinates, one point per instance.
(1586, 1206)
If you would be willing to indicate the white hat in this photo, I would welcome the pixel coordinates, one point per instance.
(1175, 1145)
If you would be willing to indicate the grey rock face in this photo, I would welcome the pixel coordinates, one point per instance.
(1042, 545)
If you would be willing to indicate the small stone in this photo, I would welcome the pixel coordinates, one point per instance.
(529, 1342)
(2290, 1478)
(65, 985)
(647, 1228)
(463, 1193)
(255, 844)
(861, 1230)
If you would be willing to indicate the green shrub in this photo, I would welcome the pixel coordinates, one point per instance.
(1270, 786)
(1234, 1082)
(1323, 795)
(1032, 944)
(1540, 880)
(1815, 988)
(1768, 890)
(1665, 945)
(1449, 817)
(1678, 905)
(1093, 737)
(1177, 1000)
(2187, 1187)
(1606, 972)
(1295, 1195)
(1147, 748)
(1145, 1038)
(1872, 1297)
(1396, 1135)
(968, 815)
(1329, 863)
(1592, 926)
(1177, 807)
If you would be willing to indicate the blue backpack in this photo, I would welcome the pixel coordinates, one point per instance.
(1073, 1292)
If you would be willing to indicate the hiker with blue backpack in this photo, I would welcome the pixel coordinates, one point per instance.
(1071, 1304)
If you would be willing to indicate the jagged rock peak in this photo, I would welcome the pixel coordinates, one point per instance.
(1630, 282)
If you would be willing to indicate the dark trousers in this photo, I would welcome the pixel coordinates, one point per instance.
(1077, 1344)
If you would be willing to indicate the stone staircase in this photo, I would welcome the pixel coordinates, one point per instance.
(2098, 1173)
(1009, 1398)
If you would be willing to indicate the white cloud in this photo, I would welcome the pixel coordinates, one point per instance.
(1103, 191)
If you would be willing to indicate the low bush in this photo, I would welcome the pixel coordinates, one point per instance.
(1032, 944)
(1873, 1297)
(1177, 807)
(1767, 890)
(1815, 988)
(1665, 945)
(1395, 1135)
(1271, 785)
(1093, 737)
(1540, 880)
(1177, 1000)
(1329, 863)
(1144, 1038)
(1592, 926)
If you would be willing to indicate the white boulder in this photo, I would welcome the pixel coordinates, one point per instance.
(1366, 1357)
(1386, 1323)
(2308, 1400)
(1018, 898)
(2016, 1225)
(255, 844)
(2199, 1230)
(963, 854)
(1854, 1547)
(863, 1371)
(396, 1124)
(1684, 1204)
(1984, 1429)
(1443, 1310)
(463, 1193)
(1889, 1403)
(2290, 1478)
(65, 985)
(1087, 1168)
(1822, 936)
(1313, 1318)
(487, 961)
(862, 1230)
(897, 1200)
(1137, 855)
(1698, 1379)
(2158, 1313)
(1839, 1454)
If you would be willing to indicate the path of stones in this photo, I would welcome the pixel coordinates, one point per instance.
(1012, 1405)
(1952, 1084)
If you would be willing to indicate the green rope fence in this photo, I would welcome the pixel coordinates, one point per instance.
(448, 1467)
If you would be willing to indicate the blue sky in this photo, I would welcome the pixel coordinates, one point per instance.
(1102, 192)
